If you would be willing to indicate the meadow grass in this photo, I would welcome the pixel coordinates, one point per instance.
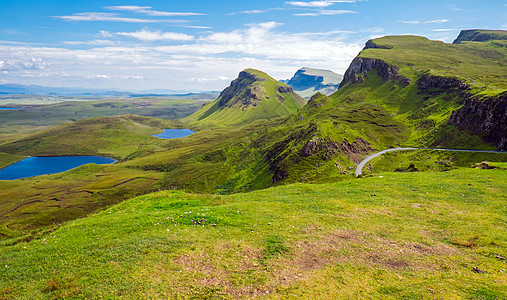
(399, 235)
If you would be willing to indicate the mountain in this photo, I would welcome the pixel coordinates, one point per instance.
(308, 81)
(252, 96)
(477, 35)
(452, 95)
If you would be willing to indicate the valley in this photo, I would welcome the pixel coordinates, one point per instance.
(262, 199)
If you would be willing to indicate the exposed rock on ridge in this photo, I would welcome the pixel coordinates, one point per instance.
(362, 65)
(427, 82)
(486, 117)
(241, 92)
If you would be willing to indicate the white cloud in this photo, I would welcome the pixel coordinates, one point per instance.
(206, 62)
(320, 4)
(424, 22)
(326, 13)
(254, 11)
(20, 63)
(436, 21)
(148, 11)
(92, 43)
(146, 35)
(195, 26)
(208, 79)
(111, 17)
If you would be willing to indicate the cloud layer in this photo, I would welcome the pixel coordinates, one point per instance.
(202, 62)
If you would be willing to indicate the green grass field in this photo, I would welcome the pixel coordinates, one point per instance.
(399, 235)
(36, 117)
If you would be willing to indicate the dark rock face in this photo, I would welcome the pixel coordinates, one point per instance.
(284, 89)
(427, 82)
(370, 44)
(361, 66)
(485, 117)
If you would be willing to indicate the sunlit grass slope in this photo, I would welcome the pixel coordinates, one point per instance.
(115, 137)
(399, 235)
(479, 64)
(252, 96)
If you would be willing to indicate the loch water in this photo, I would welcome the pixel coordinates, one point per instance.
(174, 133)
(39, 165)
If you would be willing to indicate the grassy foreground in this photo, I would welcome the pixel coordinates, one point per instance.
(400, 235)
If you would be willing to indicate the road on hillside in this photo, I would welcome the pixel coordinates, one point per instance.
(359, 168)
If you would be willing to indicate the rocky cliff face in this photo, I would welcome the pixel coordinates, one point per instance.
(242, 92)
(484, 117)
(361, 66)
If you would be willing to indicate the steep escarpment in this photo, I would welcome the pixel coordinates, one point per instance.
(360, 67)
(478, 35)
(485, 117)
(254, 95)
(432, 88)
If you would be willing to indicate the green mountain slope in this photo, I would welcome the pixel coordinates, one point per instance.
(448, 95)
(476, 35)
(252, 96)
(403, 235)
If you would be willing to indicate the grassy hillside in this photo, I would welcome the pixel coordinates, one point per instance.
(33, 118)
(481, 65)
(399, 235)
(477, 35)
(115, 137)
(252, 96)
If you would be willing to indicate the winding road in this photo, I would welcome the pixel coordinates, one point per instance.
(359, 168)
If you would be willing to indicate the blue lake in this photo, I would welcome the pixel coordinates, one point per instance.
(174, 133)
(33, 166)
(9, 108)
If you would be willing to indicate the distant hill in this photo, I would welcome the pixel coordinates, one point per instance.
(478, 35)
(252, 96)
(21, 89)
(308, 81)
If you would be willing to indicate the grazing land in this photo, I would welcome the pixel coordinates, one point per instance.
(399, 235)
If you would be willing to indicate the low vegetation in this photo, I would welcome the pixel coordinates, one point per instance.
(399, 235)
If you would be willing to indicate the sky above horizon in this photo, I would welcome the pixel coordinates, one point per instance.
(199, 45)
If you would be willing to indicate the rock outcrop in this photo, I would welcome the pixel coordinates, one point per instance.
(484, 117)
(241, 92)
(427, 82)
(360, 67)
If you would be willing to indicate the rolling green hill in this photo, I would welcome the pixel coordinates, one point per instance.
(254, 95)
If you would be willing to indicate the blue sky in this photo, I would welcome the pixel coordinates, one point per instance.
(203, 45)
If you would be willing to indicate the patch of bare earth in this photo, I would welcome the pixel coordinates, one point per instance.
(229, 268)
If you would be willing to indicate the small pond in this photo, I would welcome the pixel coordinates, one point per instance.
(10, 108)
(33, 166)
(174, 133)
